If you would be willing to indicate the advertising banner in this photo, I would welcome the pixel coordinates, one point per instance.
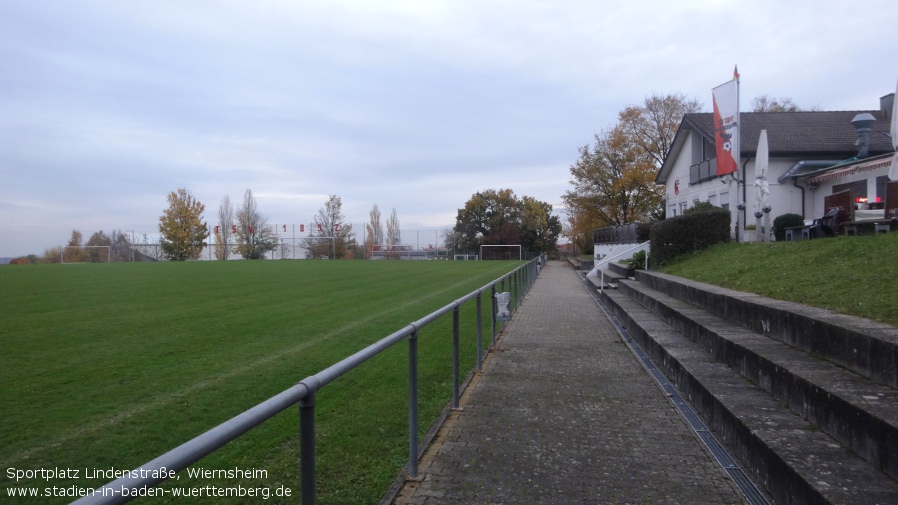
(726, 125)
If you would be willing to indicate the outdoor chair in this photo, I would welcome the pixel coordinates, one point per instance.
(826, 225)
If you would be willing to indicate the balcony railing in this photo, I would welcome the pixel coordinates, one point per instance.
(703, 171)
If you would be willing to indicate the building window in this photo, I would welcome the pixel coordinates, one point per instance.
(709, 150)
(881, 184)
(683, 207)
(673, 211)
(704, 158)
(725, 200)
(858, 188)
(712, 199)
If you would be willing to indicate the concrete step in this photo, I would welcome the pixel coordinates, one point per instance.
(863, 346)
(858, 412)
(620, 269)
(792, 458)
(605, 280)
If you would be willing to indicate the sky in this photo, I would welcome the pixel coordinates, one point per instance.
(108, 106)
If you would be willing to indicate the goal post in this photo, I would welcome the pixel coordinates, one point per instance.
(520, 254)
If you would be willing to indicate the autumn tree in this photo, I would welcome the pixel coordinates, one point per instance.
(330, 236)
(225, 228)
(255, 236)
(539, 228)
(614, 178)
(652, 126)
(52, 255)
(73, 251)
(94, 253)
(578, 227)
(374, 230)
(499, 217)
(613, 184)
(394, 236)
(182, 231)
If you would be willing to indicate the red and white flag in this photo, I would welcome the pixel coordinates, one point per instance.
(726, 125)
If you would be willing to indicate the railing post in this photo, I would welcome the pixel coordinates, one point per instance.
(513, 288)
(479, 331)
(307, 449)
(525, 280)
(413, 405)
(455, 343)
(501, 290)
(493, 316)
(528, 276)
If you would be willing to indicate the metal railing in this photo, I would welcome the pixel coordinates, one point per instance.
(630, 233)
(303, 394)
(703, 171)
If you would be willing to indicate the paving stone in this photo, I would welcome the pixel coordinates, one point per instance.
(566, 414)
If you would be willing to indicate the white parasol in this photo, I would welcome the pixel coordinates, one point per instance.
(762, 160)
(762, 189)
(893, 170)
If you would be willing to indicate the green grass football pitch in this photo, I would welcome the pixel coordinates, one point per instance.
(108, 366)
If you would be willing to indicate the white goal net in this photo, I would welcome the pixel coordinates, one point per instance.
(499, 254)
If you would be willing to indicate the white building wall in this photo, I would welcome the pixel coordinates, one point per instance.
(815, 196)
(680, 195)
(725, 192)
(784, 198)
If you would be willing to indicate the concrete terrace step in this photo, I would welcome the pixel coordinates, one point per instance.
(608, 278)
(605, 280)
(866, 347)
(856, 411)
(620, 269)
(785, 453)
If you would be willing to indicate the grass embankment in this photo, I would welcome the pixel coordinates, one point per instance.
(847, 274)
(109, 366)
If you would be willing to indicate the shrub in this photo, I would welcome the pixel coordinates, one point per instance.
(701, 207)
(688, 233)
(785, 221)
(637, 261)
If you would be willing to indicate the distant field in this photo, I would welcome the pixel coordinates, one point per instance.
(107, 366)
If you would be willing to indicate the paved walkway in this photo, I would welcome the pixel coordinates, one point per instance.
(562, 414)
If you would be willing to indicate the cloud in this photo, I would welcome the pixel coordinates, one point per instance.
(107, 107)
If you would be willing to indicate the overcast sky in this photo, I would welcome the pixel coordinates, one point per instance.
(107, 106)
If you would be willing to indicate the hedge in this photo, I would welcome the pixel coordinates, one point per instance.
(688, 233)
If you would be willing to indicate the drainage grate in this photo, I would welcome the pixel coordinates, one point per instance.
(748, 488)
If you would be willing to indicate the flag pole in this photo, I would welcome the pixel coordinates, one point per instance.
(740, 216)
